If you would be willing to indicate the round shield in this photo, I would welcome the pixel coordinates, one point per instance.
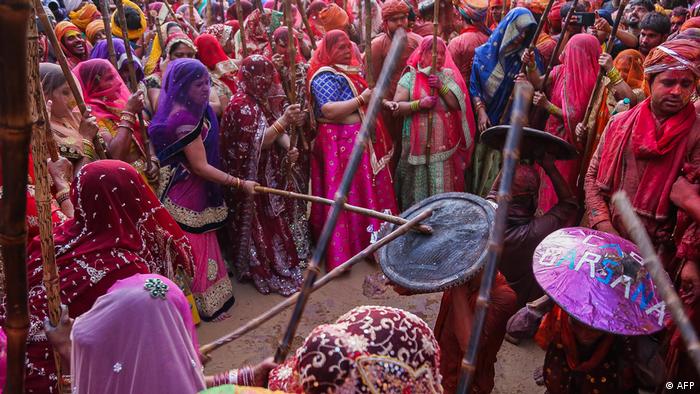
(599, 279)
(451, 255)
(533, 143)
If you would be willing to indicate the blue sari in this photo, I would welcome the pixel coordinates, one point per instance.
(497, 62)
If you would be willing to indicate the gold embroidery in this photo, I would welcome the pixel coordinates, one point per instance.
(194, 219)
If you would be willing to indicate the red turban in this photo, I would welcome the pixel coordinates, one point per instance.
(333, 18)
(673, 55)
(392, 8)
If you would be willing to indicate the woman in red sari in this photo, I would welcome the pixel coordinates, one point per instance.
(255, 146)
(339, 95)
(119, 229)
(222, 69)
(569, 89)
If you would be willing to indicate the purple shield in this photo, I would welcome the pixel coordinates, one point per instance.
(599, 279)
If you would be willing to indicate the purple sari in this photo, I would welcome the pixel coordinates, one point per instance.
(100, 51)
(195, 203)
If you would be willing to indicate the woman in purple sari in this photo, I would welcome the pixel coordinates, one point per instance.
(255, 146)
(100, 51)
(185, 135)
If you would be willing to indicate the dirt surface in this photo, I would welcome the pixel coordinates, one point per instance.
(513, 369)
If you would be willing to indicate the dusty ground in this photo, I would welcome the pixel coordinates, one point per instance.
(513, 369)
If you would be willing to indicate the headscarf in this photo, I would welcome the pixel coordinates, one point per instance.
(475, 12)
(220, 66)
(84, 15)
(100, 51)
(554, 16)
(66, 29)
(161, 10)
(175, 39)
(184, 10)
(93, 28)
(333, 18)
(369, 349)
(223, 33)
(574, 80)
(255, 77)
(65, 129)
(459, 127)
(535, 6)
(139, 337)
(119, 229)
(106, 102)
(630, 62)
(246, 6)
(690, 24)
(256, 36)
(135, 34)
(497, 62)
(281, 36)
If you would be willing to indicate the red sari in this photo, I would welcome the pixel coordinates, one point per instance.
(258, 226)
(119, 229)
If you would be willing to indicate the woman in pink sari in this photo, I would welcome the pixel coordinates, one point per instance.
(255, 146)
(340, 95)
(452, 128)
(569, 89)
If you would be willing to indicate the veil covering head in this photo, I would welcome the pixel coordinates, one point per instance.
(100, 51)
(103, 88)
(369, 349)
(329, 54)
(138, 337)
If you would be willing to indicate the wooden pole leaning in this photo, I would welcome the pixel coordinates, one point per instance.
(15, 134)
(368, 41)
(305, 20)
(511, 155)
(663, 283)
(429, 131)
(425, 229)
(61, 57)
(313, 269)
(597, 91)
(193, 22)
(334, 274)
(557, 48)
(241, 30)
(531, 47)
(104, 10)
(292, 85)
(134, 84)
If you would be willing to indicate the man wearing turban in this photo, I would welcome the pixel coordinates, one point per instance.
(95, 31)
(474, 34)
(84, 15)
(334, 18)
(72, 43)
(394, 16)
(642, 150)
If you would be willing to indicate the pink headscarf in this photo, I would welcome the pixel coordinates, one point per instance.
(139, 337)
(103, 88)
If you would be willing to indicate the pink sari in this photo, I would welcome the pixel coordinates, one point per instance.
(573, 83)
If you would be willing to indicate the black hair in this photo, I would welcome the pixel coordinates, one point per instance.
(580, 7)
(133, 19)
(644, 3)
(680, 11)
(654, 21)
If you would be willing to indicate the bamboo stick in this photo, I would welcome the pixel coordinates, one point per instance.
(41, 133)
(597, 91)
(313, 269)
(15, 133)
(134, 84)
(210, 13)
(334, 274)
(292, 91)
(223, 11)
(429, 131)
(192, 11)
(557, 48)
(61, 57)
(159, 34)
(307, 25)
(239, 16)
(425, 229)
(663, 283)
(531, 47)
(511, 154)
(104, 10)
(368, 41)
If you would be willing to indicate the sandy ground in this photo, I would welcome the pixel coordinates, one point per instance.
(513, 369)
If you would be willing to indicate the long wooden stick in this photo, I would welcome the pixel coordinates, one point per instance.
(193, 22)
(223, 11)
(292, 91)
(41, 133)
(638, 233)
(104, 10)
(334, 274)
(210, 13)
(511, 154)
(368, 41)
(429, 131)
(531, 47)
(61, 57)
(397, 45)
(597, 91)
(307, 25)
(134, 84)
(241, 30)
(560, 42)
(425, 229)
(15, 134)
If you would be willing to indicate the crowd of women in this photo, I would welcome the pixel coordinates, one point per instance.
(231, 96)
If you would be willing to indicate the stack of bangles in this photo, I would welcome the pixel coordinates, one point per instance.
(479, 106)
(89, 149)
(615, 76)
(360, 101)
(415, 105)
(444, 90)
(127, 120)
(277, 126)
(551, 108)
(62, 196)
(238, 377)
(233, 181)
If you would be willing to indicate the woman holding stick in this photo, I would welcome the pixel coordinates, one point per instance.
(255, 146)
(185, 134)
(73, 133)
(453, 125)
(339, 96)
(222, 70)
(106, 94)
